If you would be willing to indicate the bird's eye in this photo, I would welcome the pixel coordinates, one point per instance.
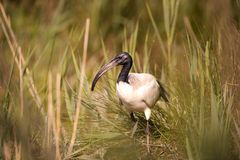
(119, 58)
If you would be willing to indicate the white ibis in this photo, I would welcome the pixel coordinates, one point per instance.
(138, 92)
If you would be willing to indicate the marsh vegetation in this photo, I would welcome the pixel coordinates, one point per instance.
(51, 50)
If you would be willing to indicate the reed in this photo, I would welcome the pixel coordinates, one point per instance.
(51, 53)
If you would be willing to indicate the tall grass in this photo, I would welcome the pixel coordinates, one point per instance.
(49, 112)
(210, 106)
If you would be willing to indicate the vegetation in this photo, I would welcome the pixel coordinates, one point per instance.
(50, 51)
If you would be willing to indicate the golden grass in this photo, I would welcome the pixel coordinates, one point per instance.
(48, 111)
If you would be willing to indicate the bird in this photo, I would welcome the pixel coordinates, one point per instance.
(137, 92)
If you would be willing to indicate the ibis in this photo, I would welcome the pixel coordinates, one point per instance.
(138, 92)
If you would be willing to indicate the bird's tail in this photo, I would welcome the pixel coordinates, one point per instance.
(163, 93)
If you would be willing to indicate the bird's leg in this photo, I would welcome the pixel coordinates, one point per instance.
(147, 130)
(135, 125)
(147, 113)
(134, 129)
(132, 117)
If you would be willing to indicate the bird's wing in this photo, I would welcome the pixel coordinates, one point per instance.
(145, 87)
(163, 92)
(137, 80)
(134, 80)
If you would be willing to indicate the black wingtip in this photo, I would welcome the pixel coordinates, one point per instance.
(165, 97)
(163, 92)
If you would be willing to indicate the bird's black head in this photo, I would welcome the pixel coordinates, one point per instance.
(121, 59)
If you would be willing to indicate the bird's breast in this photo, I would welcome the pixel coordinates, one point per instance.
(125, 92)
(137, 99)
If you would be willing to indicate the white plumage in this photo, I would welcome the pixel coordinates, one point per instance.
(140, 93)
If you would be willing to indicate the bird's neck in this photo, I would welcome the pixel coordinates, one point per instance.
(123, 75)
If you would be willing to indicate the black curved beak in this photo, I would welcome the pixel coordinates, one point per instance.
(104, 69)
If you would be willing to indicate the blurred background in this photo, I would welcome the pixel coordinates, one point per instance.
(191, 46)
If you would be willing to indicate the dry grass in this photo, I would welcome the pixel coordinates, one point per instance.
(48, 111)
